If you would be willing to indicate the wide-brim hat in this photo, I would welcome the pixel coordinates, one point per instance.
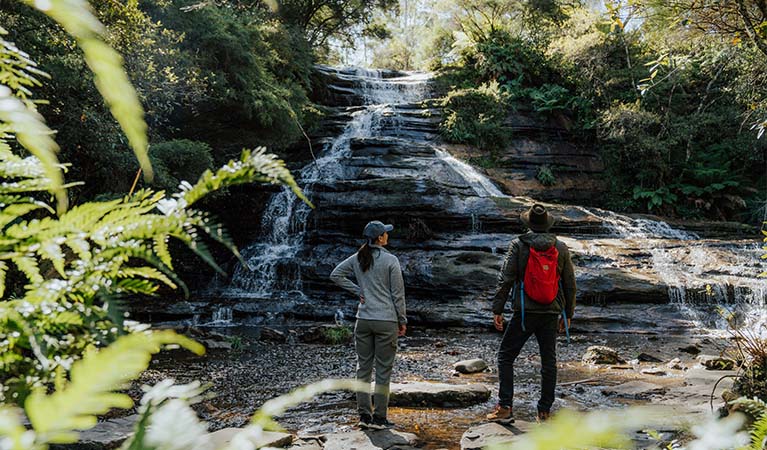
(537, 218)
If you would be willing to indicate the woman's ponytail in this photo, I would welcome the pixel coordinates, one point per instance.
(365, 256)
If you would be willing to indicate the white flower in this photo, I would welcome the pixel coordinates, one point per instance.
(720, 434)
(247, 438)
(167, 389)
(174, 426)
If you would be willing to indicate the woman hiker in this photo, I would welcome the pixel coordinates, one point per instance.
(381, 317)
(539, 270)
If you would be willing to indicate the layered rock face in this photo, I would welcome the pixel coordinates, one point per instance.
(382, 159)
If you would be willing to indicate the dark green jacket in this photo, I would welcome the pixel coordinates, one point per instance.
(513, 270)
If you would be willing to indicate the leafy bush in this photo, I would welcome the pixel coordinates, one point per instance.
(337, 334)
(179, 160)
(476, 116)
(546, 176)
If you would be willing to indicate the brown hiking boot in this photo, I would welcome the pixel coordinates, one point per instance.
(501, 414)
(543, 416)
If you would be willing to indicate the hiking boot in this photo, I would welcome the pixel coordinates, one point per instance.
(543, 416)
(501, 414)
(365, 421)
(380, 423)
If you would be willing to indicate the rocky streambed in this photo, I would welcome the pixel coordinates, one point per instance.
(434, 405)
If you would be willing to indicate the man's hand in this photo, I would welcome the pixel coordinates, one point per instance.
(362, 299)
(498, 322)
(402, 330)
(562, 325)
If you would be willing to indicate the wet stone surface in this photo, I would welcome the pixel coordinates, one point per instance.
(244, 379)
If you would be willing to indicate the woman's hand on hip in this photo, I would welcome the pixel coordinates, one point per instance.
(402, 330)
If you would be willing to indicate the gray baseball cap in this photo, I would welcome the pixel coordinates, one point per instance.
(376, 228)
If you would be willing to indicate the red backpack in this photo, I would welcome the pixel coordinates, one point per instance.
(541, 281)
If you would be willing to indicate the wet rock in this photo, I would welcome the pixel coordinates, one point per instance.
(272, 335)
(105, 435)
(216, 344)
(306, 444)
(471, 366)
(599, 354)
(655, 371)
(711, 362)
(325, 334)
(488, 434)
(676, 364)
(646, 357)
(370, 440)
(691, 349)
(437, 394)
(222, 437)
(638, 390)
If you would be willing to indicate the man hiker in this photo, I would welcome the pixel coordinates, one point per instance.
(538, 271)
(381, 317)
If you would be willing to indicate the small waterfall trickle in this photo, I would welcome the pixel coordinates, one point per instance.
(701, 281)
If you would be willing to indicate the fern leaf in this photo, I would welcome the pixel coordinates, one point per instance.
(146, 272)
(161, 249)
(759, 433)
(257, 166)
(28, 266)
(3, 272)
(93, 382)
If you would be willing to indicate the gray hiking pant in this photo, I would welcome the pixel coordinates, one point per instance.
(375, 341)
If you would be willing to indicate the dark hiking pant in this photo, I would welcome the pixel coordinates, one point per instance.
(375, 342)
(544, 327)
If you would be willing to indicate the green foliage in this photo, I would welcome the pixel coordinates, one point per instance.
(476, 116)
(179, 160)
(546, 176)
(74, 405)
(337, 335)
(80, 265)
(655, 199)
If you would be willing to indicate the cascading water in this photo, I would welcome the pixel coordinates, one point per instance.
(705, 283)
(700, 274)
(271, 268)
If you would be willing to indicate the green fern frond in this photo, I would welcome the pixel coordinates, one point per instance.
(93, 382)
(257, 166)
(161, 249)
(28, 266)
(146, 272)
(759, 433)
(3, 273)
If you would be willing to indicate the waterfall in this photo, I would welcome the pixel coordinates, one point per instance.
(703, 282)
(271, 266)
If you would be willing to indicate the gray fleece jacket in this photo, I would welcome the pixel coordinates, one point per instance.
(513, 270)
(382, 286)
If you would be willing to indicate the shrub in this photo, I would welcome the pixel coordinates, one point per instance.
(179, 160)
(476, 116)
(546, 176)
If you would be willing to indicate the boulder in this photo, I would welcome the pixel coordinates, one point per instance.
(639, 390)
(105, 435)
(711, 362)
(646, 357)
(655, 371)
(676, 364)
(437, 394)
(222, 437)
(470, 366)
(599, 354)
(488, 434)
(306, 444)
(272, 335)
(370, 440)
(691, 349)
